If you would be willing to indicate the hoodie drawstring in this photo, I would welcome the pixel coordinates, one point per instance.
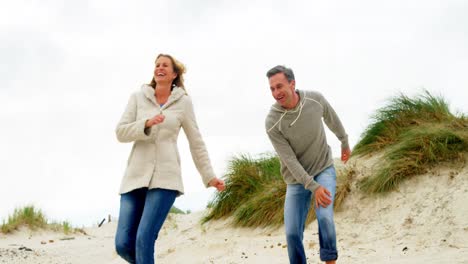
(300, 111)
(279, 120)
(301, 105)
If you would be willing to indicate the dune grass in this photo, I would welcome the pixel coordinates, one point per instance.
(416, 151)
(398, 115)
(248, 184)
(64, 227)
(345, 179)
(175, 210)
(27, 216)
(33, 218)
(255, 193)
(414, 135)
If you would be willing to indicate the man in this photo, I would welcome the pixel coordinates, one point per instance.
(294, 126)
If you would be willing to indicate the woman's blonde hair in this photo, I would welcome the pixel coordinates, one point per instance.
(179, 69)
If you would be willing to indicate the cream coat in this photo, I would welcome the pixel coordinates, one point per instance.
(154, 161)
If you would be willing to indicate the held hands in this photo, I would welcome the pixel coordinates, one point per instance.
(345, 153)
(157, 119)
(322, 197)
(218, 184)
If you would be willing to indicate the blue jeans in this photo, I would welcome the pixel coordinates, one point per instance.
(142, 214)
(296, 208)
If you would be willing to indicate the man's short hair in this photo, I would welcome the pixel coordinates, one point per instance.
(281, 69)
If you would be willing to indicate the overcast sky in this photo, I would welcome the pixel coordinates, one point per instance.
(68, 67)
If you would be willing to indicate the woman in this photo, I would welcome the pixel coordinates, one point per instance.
(152, 181)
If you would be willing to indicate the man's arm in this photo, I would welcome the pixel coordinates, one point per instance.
(333, 122)
(287, 155)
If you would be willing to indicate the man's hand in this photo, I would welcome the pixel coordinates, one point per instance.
(322, 197)
(218, 184)
(345, 153)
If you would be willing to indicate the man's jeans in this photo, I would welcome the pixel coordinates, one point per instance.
(142, 213)
(296, 208)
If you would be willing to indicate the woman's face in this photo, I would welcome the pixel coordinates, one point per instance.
(164, 71)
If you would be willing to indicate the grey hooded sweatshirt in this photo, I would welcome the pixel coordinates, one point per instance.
(298, 137)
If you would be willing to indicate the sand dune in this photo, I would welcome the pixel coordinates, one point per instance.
(425, 221)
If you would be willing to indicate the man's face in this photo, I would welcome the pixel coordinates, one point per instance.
(282, 90)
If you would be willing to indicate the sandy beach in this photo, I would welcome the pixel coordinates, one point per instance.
(424, 221)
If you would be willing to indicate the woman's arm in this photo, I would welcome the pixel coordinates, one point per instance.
(197, 145)
(129, 128)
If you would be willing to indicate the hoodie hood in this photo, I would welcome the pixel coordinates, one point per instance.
(280, 112)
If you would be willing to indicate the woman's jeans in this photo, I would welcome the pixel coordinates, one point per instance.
(142, 214)
(296, 208)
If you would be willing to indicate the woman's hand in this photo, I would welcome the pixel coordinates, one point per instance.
(218, 184)
(158, 119)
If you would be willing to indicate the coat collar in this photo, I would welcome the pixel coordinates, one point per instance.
(176, 94)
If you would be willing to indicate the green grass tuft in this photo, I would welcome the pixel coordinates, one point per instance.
(414, 135)
(246, 179)
(416, 150)
(345, 179)
(263, 209)
(255, 193)
(400, 114)
(175, 210)
(27, 216)
(33, 218)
